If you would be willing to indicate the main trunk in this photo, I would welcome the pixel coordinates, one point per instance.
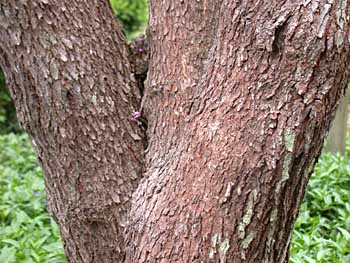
(239, 97)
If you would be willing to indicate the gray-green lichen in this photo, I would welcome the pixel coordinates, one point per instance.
(214, 241)
(246, 242)
(222, 246)
(223, 249)
(248, 214)
(285, 172)
(289, 139)
(270, 240)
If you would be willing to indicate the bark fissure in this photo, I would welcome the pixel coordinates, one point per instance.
(140, 60)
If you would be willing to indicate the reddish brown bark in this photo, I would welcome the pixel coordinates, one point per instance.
(239, 97)
(66, 63)
(227, 173)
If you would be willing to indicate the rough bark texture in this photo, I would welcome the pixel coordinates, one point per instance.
(66, 63)
(230, 154)
(239, 98)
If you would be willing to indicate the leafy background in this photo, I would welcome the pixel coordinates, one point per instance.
(27, 232)
(8, 120)
(322, 231)
(131, 14)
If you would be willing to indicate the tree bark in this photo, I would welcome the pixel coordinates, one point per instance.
(226, 174)
(67, 66)
(239, 97)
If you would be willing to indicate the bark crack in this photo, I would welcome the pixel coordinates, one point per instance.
(139, 50)
(140, 59)
(277, 44)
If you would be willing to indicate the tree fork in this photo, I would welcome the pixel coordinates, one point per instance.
(239, 97)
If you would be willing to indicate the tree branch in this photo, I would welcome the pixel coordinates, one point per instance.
(75, 94)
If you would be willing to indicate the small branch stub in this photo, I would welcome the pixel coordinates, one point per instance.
(140, 120)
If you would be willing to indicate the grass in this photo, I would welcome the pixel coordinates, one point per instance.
(322, 231)
(28, 234)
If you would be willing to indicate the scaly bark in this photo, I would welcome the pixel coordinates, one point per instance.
(67, 66)
(239, 97)
(226, 174)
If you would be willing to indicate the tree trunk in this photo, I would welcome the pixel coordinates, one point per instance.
(239, 97)
(66, 63)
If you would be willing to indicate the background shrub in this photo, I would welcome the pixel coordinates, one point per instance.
(132, 14)
(8, 120)
(27, 232)
(322, 231)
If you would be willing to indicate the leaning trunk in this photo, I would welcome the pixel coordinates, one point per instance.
(67, 66)
(239, 98)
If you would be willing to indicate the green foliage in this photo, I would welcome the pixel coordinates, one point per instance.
(8, 120)
(132, 14)
(27, 232)
(322, 231)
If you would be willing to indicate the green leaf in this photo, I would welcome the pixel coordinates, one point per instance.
(7, 255)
